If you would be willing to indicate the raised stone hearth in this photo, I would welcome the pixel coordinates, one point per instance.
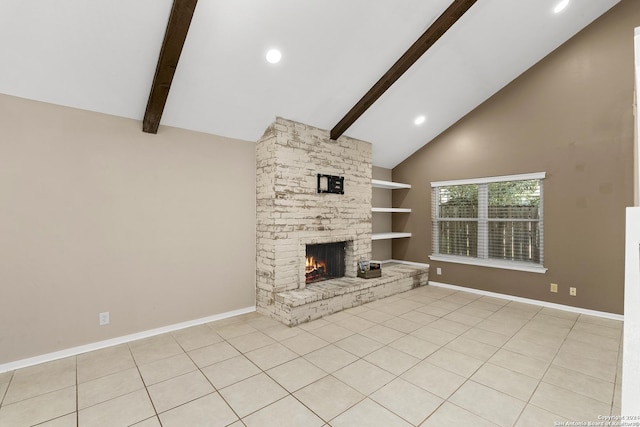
(292, 214)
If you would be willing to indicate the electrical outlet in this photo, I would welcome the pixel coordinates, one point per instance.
(554, 288)
(438, 271)
(572, 292)
(104, 318)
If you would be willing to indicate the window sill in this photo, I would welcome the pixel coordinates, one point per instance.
(493, 263)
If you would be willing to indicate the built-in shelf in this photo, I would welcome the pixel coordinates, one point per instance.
(396, 210)
(388, 184)
(385, 236)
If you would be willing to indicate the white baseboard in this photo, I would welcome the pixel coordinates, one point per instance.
(11, 366)
(569, 308)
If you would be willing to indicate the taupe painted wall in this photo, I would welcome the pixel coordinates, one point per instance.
(570, 116)
(381, 221)
(96, 215)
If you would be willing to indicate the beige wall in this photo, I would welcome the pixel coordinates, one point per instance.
(570, 116)
(381, 222)
(96, 215)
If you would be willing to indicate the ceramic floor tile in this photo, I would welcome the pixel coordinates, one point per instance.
(568, 404)
(263, 322)
(234, 330)
(465, 319)
(591, 367)
(487, 337)
(304, 343)
(370, 414)
(588, 351)
(433, 335)
(3, 389)
(434, 379)
(506, 327)
(376, 316)
(450, 326)
(434, 311)
(382, 334)
(392, 360)
(70, 420)
(610, 323)
(359, 345)
(176, 391)
(5, 377)
(526, 365)
(335, 317)
(287, 412)
(418, 317)
(332, 333)
(281, 332)
(296, 374)
(149, 422)
(531, 348)
(271, 356)
(328, 397)
(196, 337)
(165, 369)
(585, 385)
(509, 382)
(208, 411)
(398, 308)
(155, 348)
(414, 346)
(314, 324)
(475, 312)
(487, 403)
(104, 362)
(355, 323)
(603, 331)
(452, 415)
(211, 354)
(532, 416)
(41, 379)
(230, 371)
(597, 342)
(406, 400)
(472, 348)
(363, 376)
(121, 411)
(455, 362)
(251, 341)
(39, 409)
(252, 394)
(108, 387)
(331, 358)
(559, 313)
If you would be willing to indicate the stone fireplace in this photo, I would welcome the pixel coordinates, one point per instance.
(294, 215)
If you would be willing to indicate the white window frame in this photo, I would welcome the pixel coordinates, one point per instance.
(482, 259)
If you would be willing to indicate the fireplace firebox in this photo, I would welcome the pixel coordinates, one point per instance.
(324, 261)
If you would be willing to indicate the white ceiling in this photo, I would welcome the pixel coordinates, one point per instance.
(100, 55)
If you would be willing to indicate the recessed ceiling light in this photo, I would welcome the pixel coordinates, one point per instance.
(274, 56)
(561, 6)
(419, 120)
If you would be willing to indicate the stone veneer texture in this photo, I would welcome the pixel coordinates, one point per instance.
(290, 211)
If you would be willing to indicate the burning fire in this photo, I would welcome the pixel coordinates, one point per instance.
(312, 264)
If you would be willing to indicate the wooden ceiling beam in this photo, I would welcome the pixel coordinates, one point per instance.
(417, 49)
(174, 38)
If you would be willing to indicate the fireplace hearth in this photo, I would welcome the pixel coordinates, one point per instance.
(324, 261)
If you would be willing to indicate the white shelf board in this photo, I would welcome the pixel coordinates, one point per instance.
(388, 184)
(400, 210)
(384, 236)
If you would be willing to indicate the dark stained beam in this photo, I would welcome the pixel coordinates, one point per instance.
(174, 37)
(426, 40)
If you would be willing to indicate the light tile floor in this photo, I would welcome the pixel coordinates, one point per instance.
(427, 357)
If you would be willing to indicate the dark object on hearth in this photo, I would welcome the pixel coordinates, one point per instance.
(330, 184)
(369, 270)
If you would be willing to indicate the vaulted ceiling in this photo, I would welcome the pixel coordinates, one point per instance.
(101, 55)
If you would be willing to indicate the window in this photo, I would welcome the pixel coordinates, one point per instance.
(495, 222)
